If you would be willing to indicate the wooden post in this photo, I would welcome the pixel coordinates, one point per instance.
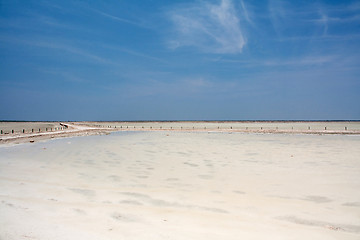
(23, 130)
(325, 128)
(32, 130)
(1, 131)
(39, 129)
(12, 131)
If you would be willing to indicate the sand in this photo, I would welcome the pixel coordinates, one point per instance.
(182, 185)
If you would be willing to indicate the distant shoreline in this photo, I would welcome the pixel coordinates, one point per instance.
(216, 121)
(18, 134)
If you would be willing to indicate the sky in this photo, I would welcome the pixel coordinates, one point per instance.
(179, 60)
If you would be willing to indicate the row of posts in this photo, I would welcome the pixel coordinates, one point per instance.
(35, 130)
(61, 128)
(247, 128)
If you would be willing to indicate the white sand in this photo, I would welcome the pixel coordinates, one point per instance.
(181, 185)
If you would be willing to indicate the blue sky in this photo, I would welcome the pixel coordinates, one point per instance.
(179, 60)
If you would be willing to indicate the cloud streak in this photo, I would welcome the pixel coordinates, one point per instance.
(115, 18)
(54, 45)
(208, 27)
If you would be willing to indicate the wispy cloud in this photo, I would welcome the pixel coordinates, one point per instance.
(246, 13)
(134, 53)
(115, 18)
(158, 84)
(57, 45)
(72, 49)
(63, 75)
(324, 21)
(209, 27)
(304, 61)
(277, 14)
(301, 61)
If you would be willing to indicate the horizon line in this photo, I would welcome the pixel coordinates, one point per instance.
(247, 120)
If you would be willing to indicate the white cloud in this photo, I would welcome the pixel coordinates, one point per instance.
(246, 13)
(54, 44)
(115, 18)
(298, 62)
(209, 27)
